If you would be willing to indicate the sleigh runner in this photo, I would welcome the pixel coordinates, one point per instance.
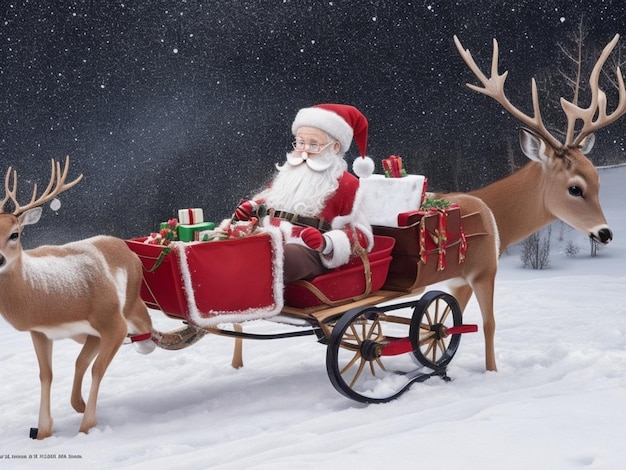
(374, 353)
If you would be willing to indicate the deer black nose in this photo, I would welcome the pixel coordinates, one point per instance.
(605, 235)
(2, 259)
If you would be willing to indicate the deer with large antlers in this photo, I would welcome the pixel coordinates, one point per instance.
(558, 182)
(87, 290)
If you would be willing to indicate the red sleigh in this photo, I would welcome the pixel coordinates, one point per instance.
(213, 285)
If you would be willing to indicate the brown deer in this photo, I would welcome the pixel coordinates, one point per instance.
(558, 182)
(87, 290)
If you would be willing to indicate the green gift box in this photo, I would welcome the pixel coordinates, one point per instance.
(187, 233)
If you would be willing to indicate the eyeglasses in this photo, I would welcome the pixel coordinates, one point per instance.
(311, 148)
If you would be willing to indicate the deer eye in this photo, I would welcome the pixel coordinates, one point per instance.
(14, 236)
(575, 191)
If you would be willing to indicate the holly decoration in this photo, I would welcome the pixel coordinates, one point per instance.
(167, 233)
(242, 229)
(435, 204)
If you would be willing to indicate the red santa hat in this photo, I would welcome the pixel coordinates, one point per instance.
(342, 122)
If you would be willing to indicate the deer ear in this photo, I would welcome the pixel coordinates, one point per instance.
(31, 216)
(532, 145)
(587, 144)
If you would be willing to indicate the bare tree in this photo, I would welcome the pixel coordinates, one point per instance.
(576, 59)
(536, 249)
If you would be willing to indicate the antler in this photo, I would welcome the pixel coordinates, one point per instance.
(597, 105)
(56, 186)
(494, 87)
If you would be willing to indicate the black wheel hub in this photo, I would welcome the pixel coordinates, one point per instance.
(440, 331)
(370, 350)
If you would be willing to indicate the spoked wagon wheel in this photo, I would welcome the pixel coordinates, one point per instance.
(370, 357)
(436, 329)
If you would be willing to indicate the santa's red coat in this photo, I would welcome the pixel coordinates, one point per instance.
(342, 212)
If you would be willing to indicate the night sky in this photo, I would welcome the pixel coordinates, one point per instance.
(171, 104)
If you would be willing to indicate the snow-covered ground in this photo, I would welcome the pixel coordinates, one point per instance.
(557, 402)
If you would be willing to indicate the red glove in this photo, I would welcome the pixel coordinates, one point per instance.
(245, 210)
(313, 238)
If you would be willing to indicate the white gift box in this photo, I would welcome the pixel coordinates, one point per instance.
(190, 216)
(384, 198)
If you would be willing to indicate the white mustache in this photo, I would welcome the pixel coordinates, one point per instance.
(318, 162)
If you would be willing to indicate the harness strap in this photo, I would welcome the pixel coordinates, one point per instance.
(140, 337)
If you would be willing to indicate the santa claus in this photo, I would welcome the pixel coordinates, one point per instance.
(313, 199)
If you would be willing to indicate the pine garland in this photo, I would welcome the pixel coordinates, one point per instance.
(437, 204)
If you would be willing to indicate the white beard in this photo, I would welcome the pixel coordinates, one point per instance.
(300, 190)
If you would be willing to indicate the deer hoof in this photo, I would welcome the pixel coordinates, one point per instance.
(39, 434)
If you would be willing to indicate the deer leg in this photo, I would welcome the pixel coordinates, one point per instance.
(462, 294)
(484, 290)
(43, 350)
(110, 341)
(138, 316)
(88, 352)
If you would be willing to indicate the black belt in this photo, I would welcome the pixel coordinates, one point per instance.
(301, 221)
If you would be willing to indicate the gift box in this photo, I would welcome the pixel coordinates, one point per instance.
(190, 216)
(190, 233)
(392, 167)
(383, 198)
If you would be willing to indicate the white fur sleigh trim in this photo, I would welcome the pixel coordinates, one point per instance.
(209, 317)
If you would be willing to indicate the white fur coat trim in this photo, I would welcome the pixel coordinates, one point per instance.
(341, 244)
(341, 249)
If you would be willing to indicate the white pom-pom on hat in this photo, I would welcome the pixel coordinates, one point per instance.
(363, 167)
